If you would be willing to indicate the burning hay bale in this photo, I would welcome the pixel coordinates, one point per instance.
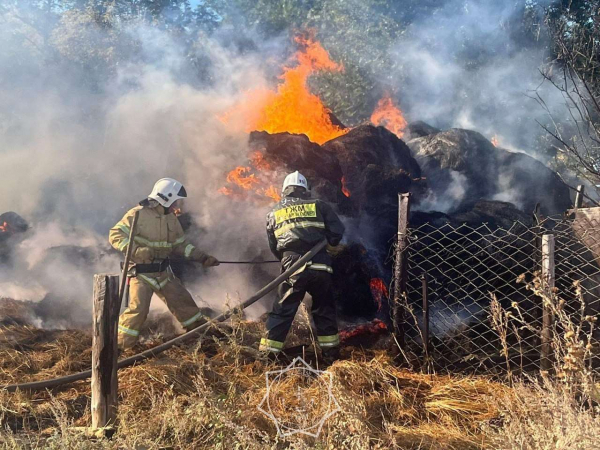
(496, 214)
(465, 163)
(289, 152)
(419, 129)
(376, 165)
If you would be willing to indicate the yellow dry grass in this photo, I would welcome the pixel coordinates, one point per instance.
(205, 395)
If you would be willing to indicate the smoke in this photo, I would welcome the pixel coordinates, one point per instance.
(78, 155)
(471, 65)
(451, 198)
(83, 140)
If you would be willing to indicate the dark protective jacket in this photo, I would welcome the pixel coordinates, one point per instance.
(297, 223)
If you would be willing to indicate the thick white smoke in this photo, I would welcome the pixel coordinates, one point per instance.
(471, 65)
(76, 159)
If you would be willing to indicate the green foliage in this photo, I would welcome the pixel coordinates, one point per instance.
(357, 34)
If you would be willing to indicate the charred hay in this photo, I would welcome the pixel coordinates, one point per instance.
(465, 160)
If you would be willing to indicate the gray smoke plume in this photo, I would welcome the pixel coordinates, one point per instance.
(77, 153)
(76, 157)
(470, 65)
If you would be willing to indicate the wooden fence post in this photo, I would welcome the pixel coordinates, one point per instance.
(400, 267)
(547, 314)
(104, 350)
(425, 291)
(579, 196)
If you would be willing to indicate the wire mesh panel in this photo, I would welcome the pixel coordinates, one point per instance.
(469, 268)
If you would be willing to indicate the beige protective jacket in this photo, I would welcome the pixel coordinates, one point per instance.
(157, 236)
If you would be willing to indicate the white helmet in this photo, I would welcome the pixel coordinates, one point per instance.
(295, 179)
(167, 191)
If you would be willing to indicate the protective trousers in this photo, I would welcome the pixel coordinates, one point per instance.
(169, 290)
(291, 293)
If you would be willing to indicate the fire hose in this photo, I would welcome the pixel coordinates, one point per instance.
(249, 262)
(46, 384)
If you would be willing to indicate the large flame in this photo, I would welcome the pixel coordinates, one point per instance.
(387, 114)
(292, 107)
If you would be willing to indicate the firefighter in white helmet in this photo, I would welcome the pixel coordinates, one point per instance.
(157, 237)
(295, 225)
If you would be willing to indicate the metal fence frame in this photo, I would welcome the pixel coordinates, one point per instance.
(455, 282)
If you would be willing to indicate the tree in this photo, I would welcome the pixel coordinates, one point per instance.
(575, 72)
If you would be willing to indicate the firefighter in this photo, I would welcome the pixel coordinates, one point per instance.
(295, 225)
(158, 236)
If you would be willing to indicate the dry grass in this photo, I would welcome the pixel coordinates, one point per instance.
(543, 414)
(557, 412)
(205, 395)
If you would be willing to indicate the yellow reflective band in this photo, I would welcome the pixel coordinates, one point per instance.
(124, 228)
(179, 241)
(123, 244)
(323, 267)
(128, 331)
(153, 282)
(191, 320)
(295, 212)
(154, 244)
(293, 225)
(269, 345)
(188, 250)
(329, 341)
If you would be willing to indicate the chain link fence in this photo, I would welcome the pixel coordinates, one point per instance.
(461, 268)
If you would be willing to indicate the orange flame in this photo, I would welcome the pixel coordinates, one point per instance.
(241, 176)
(345, 188)
(271, 192)
(374, 327)
(292, 107)
(495, 141)
(244, 180)
(378, 290)
(257, 159)
(387, 114)
(4, 227)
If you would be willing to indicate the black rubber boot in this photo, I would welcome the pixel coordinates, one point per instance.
(330, 355)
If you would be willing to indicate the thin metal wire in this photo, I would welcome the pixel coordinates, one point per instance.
(467, 264)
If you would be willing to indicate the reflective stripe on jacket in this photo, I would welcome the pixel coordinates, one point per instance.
(161, 233)
(296, 224)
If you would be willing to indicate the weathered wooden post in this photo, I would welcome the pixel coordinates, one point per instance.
(579, 196)
(425, 289)
(547, 313)
(400, 267)
(104, 350)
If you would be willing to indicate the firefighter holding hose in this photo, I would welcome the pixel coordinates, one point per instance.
(158, 236)
(295, 225)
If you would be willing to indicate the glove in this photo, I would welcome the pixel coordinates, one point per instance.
(211, 261)
(335, 250)
(143, 255)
